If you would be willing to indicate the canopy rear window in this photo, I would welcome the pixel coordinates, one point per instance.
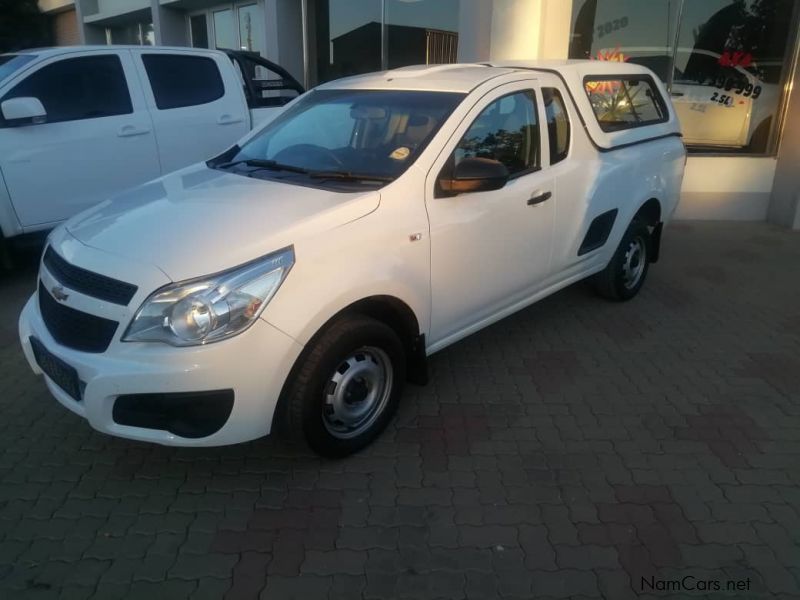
(624, 102)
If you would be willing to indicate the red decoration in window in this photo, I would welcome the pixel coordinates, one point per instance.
(735, 58)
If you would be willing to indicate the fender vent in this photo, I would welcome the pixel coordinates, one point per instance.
(598, 232)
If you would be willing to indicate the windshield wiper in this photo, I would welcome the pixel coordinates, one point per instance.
(260, 163)
(348, 176)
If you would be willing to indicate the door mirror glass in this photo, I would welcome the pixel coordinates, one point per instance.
(23, 111)
(475, 175)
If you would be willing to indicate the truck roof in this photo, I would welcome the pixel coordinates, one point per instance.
(460, 78)
(47, 51)
(463, 78)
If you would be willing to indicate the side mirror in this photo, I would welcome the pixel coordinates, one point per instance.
(23, 111)
(475, 175)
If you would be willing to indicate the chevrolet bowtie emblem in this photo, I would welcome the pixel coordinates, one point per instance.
(59, 293)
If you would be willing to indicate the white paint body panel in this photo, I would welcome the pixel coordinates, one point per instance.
(459, 263)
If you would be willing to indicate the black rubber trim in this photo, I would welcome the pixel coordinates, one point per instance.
(88, 283)
(598, 232)
(417, 371)
(655, 242)
(598, 147)
(185, 414)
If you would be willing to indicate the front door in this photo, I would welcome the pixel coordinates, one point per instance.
(98, 138)
(490, 250)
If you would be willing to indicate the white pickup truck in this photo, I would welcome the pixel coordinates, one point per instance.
(304, 274)
(79, 124)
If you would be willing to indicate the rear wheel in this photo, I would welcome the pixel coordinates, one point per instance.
(625, 274)
(347, 387)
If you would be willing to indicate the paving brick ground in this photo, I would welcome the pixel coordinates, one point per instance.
(577, 449)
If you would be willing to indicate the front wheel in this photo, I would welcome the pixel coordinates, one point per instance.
(348, 386)
(625, 274)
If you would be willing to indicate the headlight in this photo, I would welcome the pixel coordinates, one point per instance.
(212, 308)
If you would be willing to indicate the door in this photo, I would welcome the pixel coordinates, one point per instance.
(490, 250)
(97, 140)
(197, 105)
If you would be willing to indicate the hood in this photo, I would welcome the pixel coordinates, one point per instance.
(199, 221)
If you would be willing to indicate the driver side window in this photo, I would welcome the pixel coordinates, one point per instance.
(74, 89)
(506, 131)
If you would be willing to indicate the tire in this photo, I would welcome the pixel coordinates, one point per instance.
(625, 274)
(347, 387)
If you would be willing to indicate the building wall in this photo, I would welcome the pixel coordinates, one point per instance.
(170, 27)
(785, 201)
(65, 28)
(47, 6)
(513, 29)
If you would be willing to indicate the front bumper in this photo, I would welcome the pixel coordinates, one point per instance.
(254, 364)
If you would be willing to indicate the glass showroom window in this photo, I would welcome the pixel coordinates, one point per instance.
(140, 34)
(237, 26)
(421, 32)
(348, 38)
(724, 61)
(344, 38)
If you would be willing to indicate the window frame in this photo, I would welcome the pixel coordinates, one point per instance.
(538, 128)
(145, 56)
(131, 109)
(562, 156)
(658, 100)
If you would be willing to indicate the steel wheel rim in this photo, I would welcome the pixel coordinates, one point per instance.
(634, 262)
(357, 392)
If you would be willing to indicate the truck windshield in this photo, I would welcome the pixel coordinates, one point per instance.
(370, 135)
(9, 63)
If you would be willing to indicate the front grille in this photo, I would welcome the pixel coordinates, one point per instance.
(73, 328)
(86, 282)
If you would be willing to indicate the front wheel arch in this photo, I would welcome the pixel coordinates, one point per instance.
(389, 310)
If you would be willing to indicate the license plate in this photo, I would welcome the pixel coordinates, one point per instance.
(63, 375)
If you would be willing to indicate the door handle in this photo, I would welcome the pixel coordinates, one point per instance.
(538, 199)
(131, 130)
(676, 93)
(228, 120)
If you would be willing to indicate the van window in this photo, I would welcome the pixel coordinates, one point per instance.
(557, 124)
(73, 89)
(625, 102)
(179, 80)
(507, 131)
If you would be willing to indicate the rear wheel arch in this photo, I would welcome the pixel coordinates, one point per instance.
(649, 213)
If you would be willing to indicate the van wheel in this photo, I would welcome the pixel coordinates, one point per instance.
(347, 387)
(625, 274)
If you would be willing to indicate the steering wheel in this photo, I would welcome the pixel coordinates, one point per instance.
(304, 154)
